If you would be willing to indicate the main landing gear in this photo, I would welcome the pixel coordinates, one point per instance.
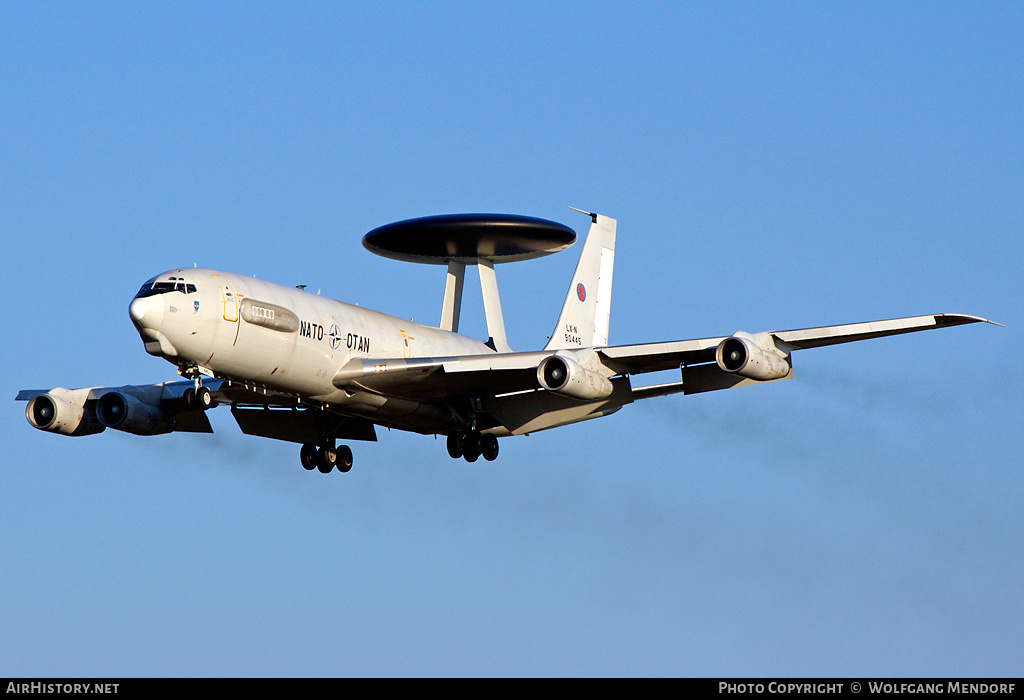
(326, 457)
(472, 445)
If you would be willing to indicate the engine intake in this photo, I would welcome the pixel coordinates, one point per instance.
(565, 376)
(753, 357)
(62, 411)
(124, 412)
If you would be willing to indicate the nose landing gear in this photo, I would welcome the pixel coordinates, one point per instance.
(199, 399)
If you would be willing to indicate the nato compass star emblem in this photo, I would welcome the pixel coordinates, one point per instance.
(335, 337)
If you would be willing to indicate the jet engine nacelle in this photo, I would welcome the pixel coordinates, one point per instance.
(753, 356)
(563, 375)
(62, 411)
(125, 412)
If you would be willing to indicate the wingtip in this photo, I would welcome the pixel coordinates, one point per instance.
(957, 319)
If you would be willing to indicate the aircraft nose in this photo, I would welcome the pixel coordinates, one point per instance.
(147, 312)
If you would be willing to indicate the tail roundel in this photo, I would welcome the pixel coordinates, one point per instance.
(585, 314)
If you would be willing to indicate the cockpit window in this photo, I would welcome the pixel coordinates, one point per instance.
(174, 284)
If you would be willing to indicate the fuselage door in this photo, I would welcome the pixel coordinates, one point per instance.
(230, 298)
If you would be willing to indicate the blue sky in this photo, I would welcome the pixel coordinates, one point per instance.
(770, 168)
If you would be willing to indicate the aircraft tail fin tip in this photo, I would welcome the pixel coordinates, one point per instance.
(585, 315)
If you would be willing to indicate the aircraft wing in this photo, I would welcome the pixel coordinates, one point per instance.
(153, 409)
(148, 409)
(440, 378)
(653, 357)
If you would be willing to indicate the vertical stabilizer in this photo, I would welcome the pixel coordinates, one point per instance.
(585, 313)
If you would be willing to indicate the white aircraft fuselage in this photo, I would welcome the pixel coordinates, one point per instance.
(279, 338)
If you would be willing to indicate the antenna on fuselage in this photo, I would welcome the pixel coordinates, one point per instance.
(592, 215)
(457, 240)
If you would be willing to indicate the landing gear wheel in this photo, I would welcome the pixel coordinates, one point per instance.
(204, 399)
(326, 458)
(307, 455)
(471, 447)
(489, 447)
(198, 399)
(455, 445)
(344, 458)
